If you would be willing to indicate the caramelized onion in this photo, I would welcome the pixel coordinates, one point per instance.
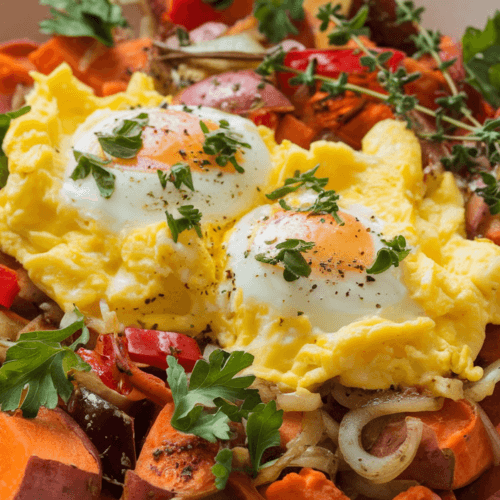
(317, 457)
(383, 469)
(331, 427)
(493, 434)
(301, 400)
(353, 397)
(486, 385)
(385, 491)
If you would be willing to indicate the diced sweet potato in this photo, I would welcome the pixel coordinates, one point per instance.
(47, 458)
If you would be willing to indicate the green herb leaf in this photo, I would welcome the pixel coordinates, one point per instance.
(490, 193)
(223, 144)
(5, 120)
(39, 362)
(325, 203)
(125, 140)
(222, 467)
(395, 252)
(263, 432)
(219, 4)
(272, 62)
(183, 37)
(344, 28)
(308, 77)
(190, 219)
(481, 56)
(335, 87)
(462, 157)
(210, 382)
(179, 174)
(88, 163)
(93, 18)
(306, 179)
(407, 12)
(275, 16)
(290, 254)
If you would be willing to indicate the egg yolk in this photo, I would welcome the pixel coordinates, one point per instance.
(179, 139)
(338, 248)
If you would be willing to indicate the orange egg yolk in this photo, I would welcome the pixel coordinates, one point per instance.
(338, 248)
(179, 139)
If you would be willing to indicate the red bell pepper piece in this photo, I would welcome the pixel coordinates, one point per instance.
(103, 362)
(330, 63)
(9, 286)
(152, 348)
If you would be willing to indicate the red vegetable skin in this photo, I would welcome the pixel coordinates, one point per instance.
(9, 287)
(330, 63)
(152, 348)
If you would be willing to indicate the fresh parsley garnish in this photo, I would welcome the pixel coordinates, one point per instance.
(88, 163)
(223, 144)
(39, 362)
(490, 193)
(481, 56)
(222, 467)
(93, 18)
(125, 139)
(392, 255)
(179, 174)
(5, 120)
(263, 432)
(211, 384)
(290, 254)
(275, 16)
(306, 179)
(190, 219)
(325, 203)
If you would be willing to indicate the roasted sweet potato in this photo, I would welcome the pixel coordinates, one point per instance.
(171, 464)
(47, 458)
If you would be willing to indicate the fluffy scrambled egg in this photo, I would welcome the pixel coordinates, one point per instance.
(417, 324)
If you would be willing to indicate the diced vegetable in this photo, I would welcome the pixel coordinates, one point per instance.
(47, 458)
(9, 287)
(418, 493)
(152, 348)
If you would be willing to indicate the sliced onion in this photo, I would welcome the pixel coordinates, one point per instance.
(484, 387)
(331, 427)
(491, 431)
(383, 469)
(353, 397)
(317, 457)
(301, 400)
(385, 491)
(312, 432)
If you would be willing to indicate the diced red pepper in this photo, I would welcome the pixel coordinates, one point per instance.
(103, 362)
(330, 63)
(152, 348)
(9, 286)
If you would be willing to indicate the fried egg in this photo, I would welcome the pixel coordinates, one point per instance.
(338, 290)
(171, 136)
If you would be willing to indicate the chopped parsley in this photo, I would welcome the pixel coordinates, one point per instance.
(392, 255)
(179, 174)
(190, 219)
(88, 163)
(39, 362)
(222, 467)
(290, 255)
(223, 144)
(92, 18)
(125, 139)
(275, 17)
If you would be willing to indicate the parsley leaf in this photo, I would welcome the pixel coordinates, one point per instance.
(89, 163)
(5, 120)
(481, 55)
(190, 219)
(125, 139)
(395, 252)
(179, 174)
(490, 193)
(325, 203)
(290, 254)
(224, 144)
(306, 179)
(39, 362)
(93, 18)
(222, 467)
(274, 17)
(263, 432)
(210, 383)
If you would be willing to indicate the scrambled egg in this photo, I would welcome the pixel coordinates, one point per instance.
(435, 329)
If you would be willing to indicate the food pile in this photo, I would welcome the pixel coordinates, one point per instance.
(253, 253)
